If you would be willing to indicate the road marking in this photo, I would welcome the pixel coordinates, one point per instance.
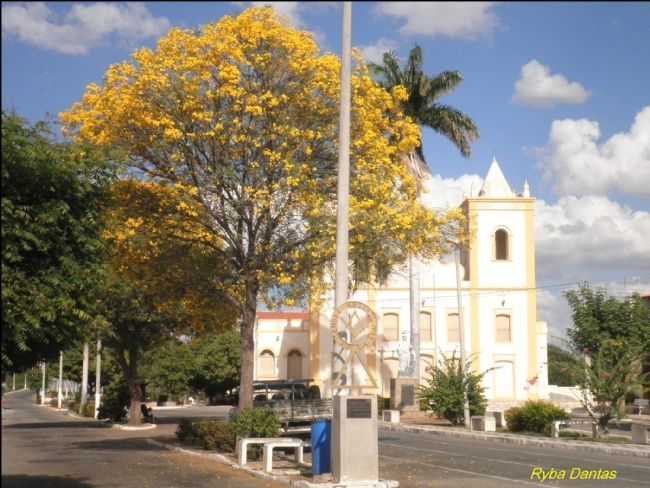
(471, 473)
(529, 465)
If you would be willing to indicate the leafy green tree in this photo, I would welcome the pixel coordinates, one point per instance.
(598, 317)
(218, 362)
(443, 391)
(171, 368)
(607, 377)
(423, 103)
(614, 337)
(561, 366)
(52, 195)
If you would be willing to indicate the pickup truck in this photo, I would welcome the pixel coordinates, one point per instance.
(296, 403)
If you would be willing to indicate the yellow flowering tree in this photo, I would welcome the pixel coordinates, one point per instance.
(242, 119)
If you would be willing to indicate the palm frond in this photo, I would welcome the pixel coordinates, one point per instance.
(453, 124)
(444, 83)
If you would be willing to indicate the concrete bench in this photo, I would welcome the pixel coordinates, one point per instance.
(242, 448)
(640, 433)
(499, 417)
(391, 416)
(640, 404)
(297, 444)
(483, 423)
(557, 424)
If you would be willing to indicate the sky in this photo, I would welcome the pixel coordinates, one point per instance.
(560, 93)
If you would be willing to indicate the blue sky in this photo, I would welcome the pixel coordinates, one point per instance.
(587, 69)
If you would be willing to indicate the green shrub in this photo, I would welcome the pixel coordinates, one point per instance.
(185, 431)
(88, 410)
(443, 392)
(255, 422)
(213, 434)
(534, 416)
(115, 401)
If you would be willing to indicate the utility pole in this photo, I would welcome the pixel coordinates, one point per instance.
(343, 180)
(25, 378)
(84, 378)
(414, 302)
(461, 334)
(60, 392)
(98, 376)
(14, 382)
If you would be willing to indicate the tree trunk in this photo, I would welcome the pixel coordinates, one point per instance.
(248, 345)
(135, 389)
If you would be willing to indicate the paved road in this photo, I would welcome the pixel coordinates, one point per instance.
(424, 459)
(42, 448)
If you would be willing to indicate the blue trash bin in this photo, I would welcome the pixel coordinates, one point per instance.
(321, 433)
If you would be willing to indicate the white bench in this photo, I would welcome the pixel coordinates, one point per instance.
(556, 424)
(269, 444)
(391, 416)
(483, 423)
(640, 404)
(640, 433)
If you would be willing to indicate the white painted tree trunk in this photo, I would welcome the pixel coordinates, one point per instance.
(84, 378)
(98, 376)
(60, 389)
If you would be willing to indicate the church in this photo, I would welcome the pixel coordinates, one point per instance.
(499, 311)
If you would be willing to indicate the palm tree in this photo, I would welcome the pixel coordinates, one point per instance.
(424, 108)
(423, 104)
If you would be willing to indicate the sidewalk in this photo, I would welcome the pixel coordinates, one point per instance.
(635, 450)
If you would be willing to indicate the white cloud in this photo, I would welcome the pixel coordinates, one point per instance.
(537, 87)
(576, 164)
(579, 238)
(82, 28)
(290, 10)
(439, 192)
(460, 20)
(374, 52)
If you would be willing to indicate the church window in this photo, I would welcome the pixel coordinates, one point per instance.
(294, 365)
(390, 326)
(503, 332)
(453, 329)
(501, 245)
(425, 326)
(266, 364)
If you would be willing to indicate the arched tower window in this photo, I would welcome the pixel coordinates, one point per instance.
(266, 364)
(294, 365)
(501, 245)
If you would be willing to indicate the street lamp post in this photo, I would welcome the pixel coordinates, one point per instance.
(461, 334)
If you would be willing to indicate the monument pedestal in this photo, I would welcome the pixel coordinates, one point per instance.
(403, 394)
(355, 450)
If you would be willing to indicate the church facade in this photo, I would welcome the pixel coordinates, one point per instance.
(499, 311)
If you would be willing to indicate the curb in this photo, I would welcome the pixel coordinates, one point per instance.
(220, 458)
(636, 451)
(131, 427)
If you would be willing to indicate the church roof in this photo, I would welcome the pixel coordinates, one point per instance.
(495, 184)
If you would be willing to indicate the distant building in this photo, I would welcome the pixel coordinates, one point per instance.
(498, 288)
